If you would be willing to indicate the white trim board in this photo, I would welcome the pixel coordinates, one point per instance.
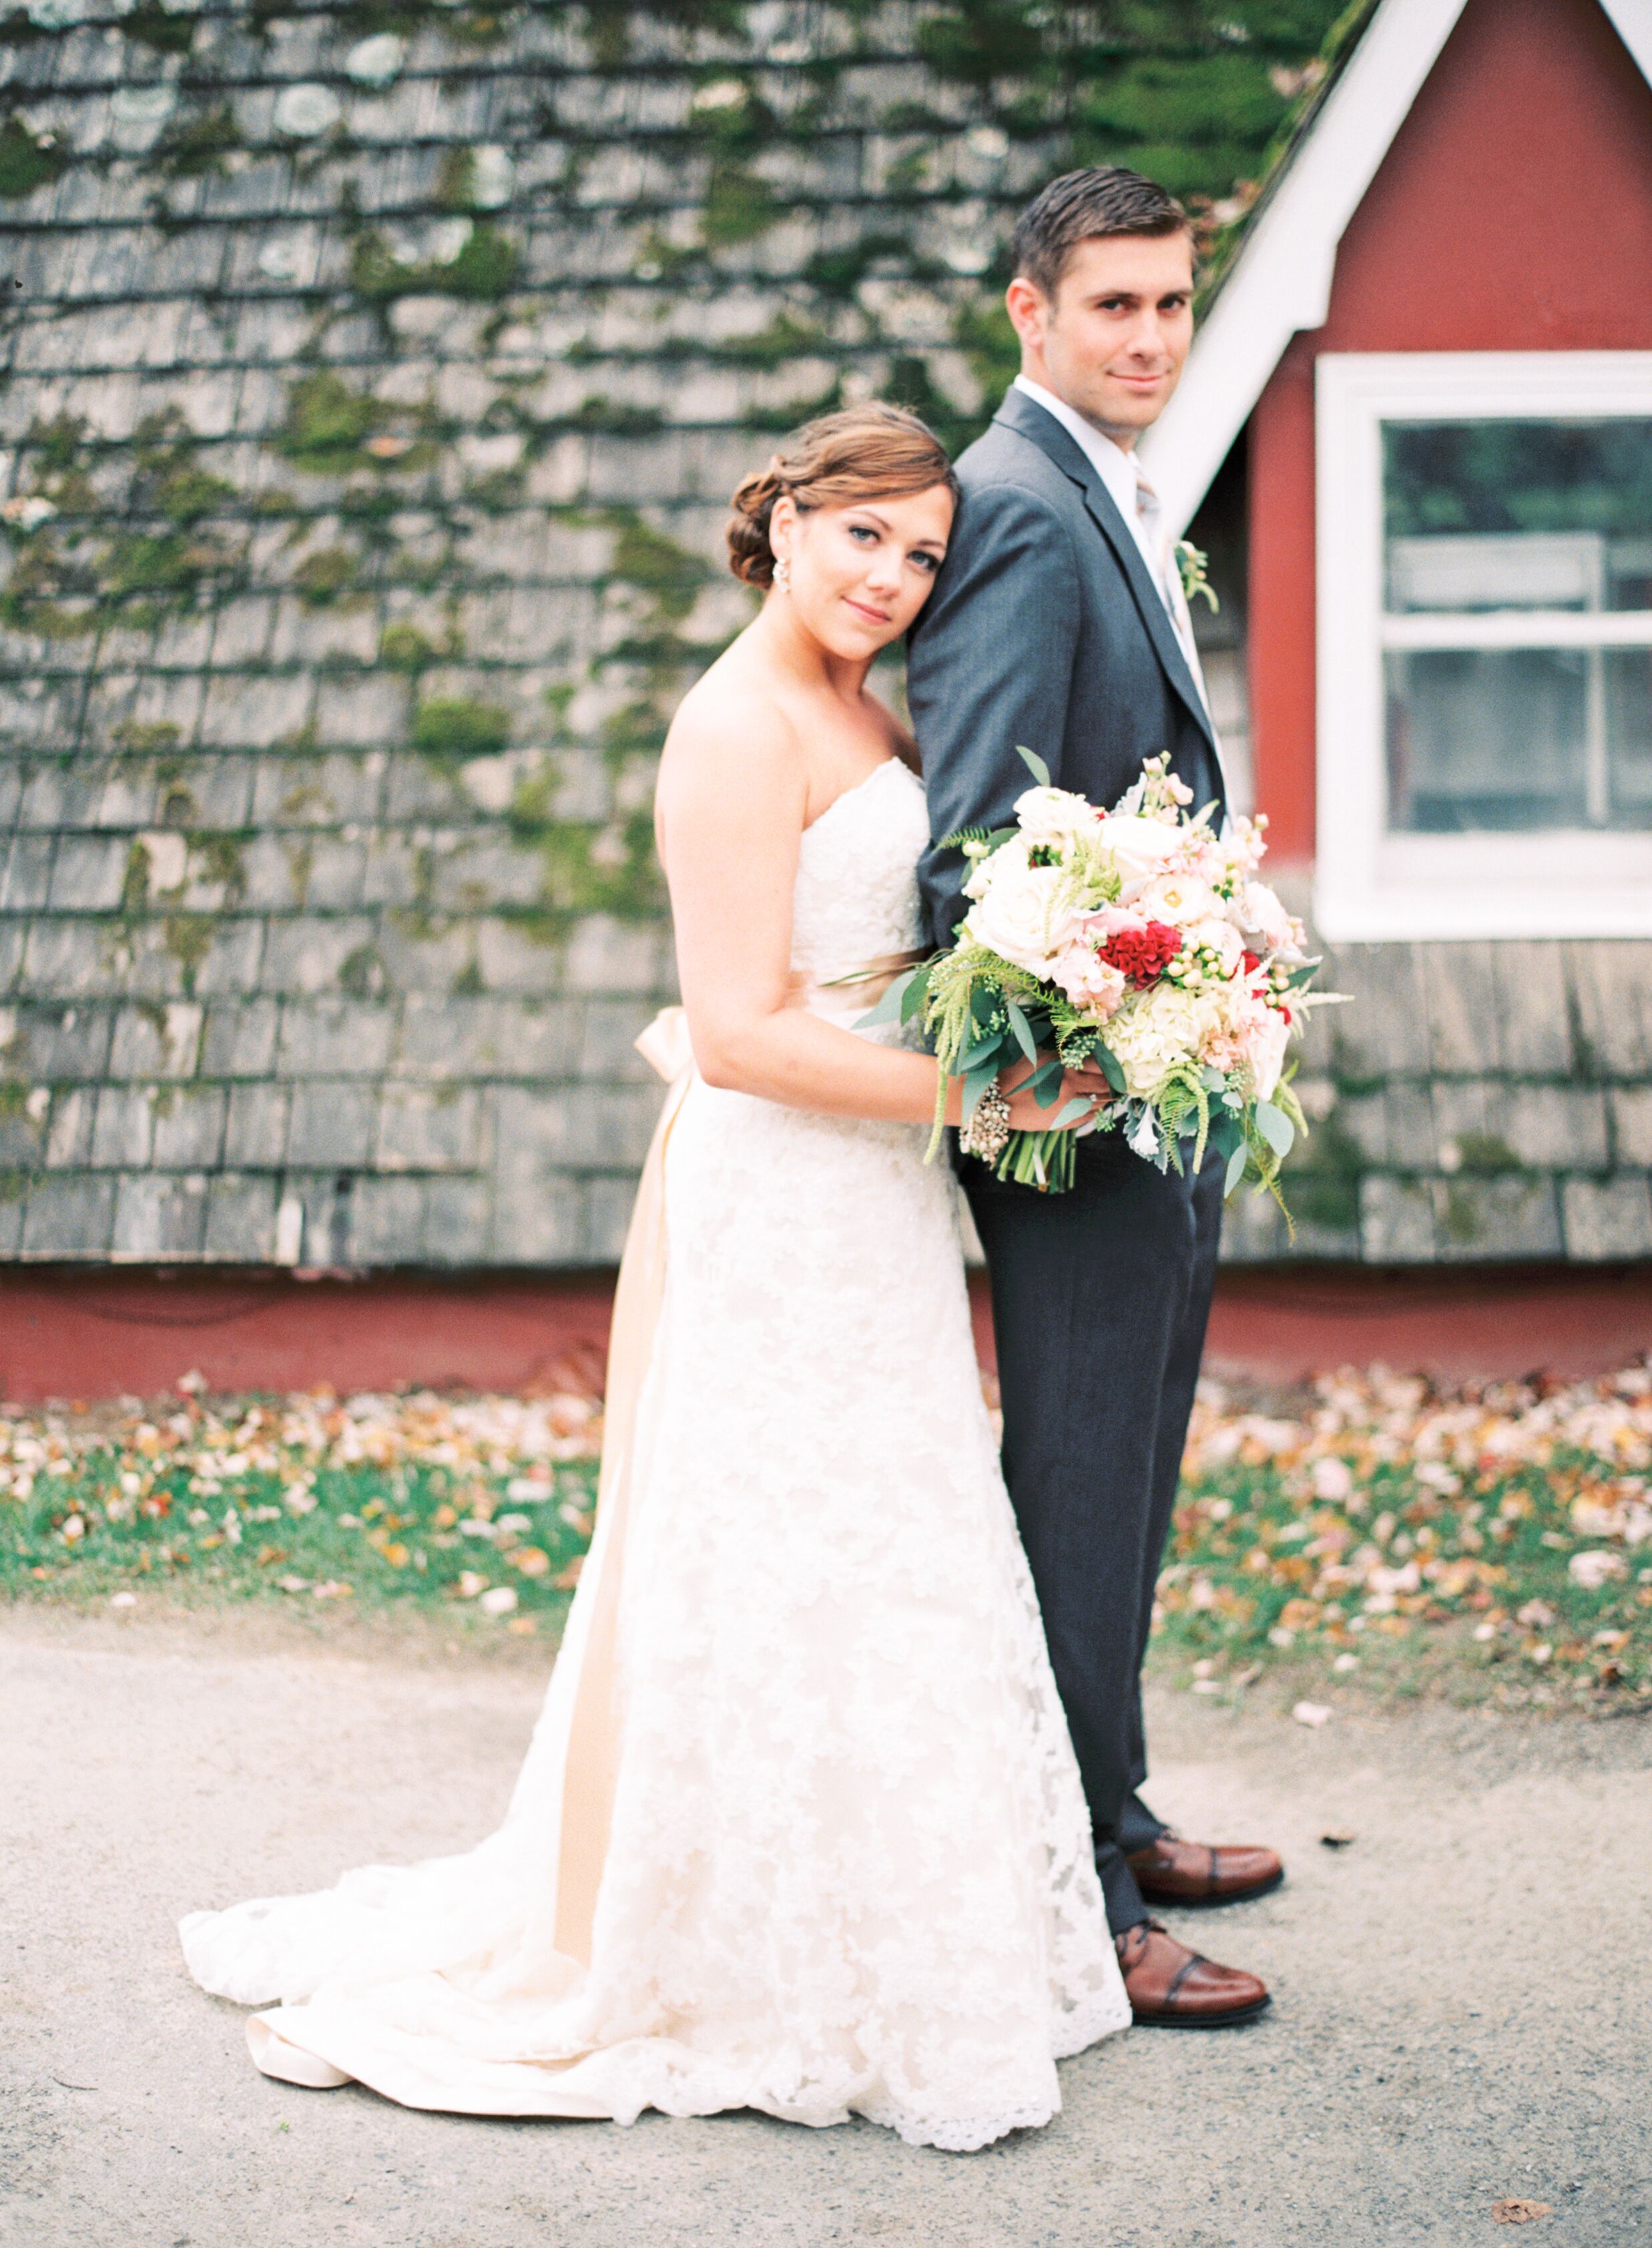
(1280, 282)
(1373, 884)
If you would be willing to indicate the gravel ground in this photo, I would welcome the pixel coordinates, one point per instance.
(1463, 1995)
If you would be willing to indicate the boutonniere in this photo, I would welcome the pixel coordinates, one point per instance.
(1191, 564)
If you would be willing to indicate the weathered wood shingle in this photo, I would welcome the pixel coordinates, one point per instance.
(387, 465)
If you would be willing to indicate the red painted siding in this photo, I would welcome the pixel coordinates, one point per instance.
(1512, 213)
(77, 1334)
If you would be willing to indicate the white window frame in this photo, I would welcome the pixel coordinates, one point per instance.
(1372, 885)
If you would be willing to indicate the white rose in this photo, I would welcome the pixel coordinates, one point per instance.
(1178, 898)
(1140, 848)
(1052, 815)
(1020, 915)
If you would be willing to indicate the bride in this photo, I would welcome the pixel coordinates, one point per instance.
(801, 1827)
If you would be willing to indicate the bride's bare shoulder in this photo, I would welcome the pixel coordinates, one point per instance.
(733, 742)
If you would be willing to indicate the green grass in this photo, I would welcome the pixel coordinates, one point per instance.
(1376, 1537)
(1496, 1547)
(274, 1499)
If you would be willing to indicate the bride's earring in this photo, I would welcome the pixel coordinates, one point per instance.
(783, 575)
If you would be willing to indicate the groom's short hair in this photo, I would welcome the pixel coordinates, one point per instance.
(1101, 200)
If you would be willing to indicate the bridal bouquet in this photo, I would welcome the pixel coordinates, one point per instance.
(1138, 940)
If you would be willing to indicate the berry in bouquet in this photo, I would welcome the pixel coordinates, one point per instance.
(1138, 940)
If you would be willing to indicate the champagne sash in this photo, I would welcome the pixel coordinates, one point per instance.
(592, 1762)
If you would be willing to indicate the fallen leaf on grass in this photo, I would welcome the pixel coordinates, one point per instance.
(1310, 1713)
(1513, 2211)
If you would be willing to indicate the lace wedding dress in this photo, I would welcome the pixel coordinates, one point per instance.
(838, 1857)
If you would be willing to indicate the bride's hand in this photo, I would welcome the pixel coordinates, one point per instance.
(1027, 1114)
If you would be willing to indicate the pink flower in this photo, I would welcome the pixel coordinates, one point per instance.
(1089, 981)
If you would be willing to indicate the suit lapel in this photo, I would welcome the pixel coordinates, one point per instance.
(1028, 419)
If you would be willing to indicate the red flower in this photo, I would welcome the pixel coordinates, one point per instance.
(1251, 962)
(1142, 955)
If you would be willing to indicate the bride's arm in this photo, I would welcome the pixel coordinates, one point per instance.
(731, 808)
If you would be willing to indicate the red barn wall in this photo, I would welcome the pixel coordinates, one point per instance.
(1512, 213)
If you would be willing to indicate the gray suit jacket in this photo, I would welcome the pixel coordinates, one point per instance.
(1045, 630)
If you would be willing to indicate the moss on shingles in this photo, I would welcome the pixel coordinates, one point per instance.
(485, 268)
(404, 648)
(361, 973)
(165, 30)
(28, 160)
(588, 867)
(220, 859)
(327, 423)
(322, 578)
(450, 729)
(196, 146)
(668, 574)
(1485, 1155)
(189, 938)
(171, 565)
(739, 204)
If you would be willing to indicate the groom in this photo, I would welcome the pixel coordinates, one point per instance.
(1059, 624)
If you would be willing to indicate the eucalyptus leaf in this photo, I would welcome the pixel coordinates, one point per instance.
(1023, 1030)
(916, 990)
(975, 1085)
(1236, 1169)
(1034, 764)
(1275, 1126)
(989, 1048)
(892, 1007)
(1047, 1073)
(1110, 1065)
(1070, 1112)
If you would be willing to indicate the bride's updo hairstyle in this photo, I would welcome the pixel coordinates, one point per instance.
(862, 453)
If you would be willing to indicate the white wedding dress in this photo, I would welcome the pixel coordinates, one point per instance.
(842, 1860)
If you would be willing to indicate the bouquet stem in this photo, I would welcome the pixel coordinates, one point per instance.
(1038, 1159)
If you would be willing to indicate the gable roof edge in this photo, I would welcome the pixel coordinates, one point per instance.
(1280, 280)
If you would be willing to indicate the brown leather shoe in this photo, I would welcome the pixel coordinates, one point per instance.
(1172, 1987)
(1183, 1873)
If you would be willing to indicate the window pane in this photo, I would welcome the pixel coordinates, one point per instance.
(1513, 514)
(1519, 738)
(1629, 721)
(1485, 738)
